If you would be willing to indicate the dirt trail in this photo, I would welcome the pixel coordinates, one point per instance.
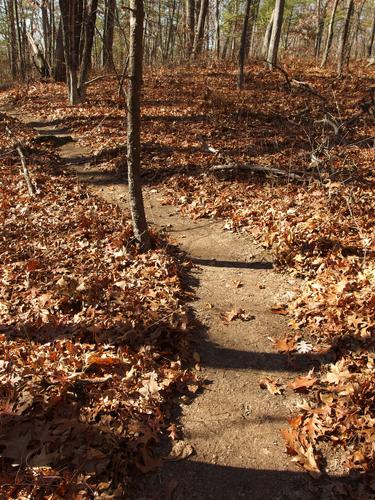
(234, 426)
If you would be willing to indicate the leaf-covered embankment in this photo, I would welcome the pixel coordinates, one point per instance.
(94, 336)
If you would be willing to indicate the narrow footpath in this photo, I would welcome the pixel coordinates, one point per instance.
(234, 425)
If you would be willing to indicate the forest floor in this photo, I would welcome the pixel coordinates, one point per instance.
(258, 368)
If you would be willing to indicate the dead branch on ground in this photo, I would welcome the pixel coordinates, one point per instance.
(24, 170)
(257, 169)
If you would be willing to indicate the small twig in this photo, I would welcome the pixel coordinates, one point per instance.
(24, 169)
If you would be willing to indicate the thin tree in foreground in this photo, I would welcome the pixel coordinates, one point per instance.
(134, 125)
(329, 34)
(344, 38)
(273, 48)
(244, 38)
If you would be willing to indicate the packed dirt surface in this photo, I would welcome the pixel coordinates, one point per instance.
(231, 432)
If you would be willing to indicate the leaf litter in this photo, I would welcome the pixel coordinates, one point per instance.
(320, 229)
(94, 337)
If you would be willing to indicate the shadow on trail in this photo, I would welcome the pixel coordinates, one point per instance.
(232, 264)
(193, 480)
(223, 358)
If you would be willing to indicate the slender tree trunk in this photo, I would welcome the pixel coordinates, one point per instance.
(287, 31)
(169, 37)
(254, 11)
(13, 40)
(217, 29)
(199, 35)
(59, 72)
(267, 36)
(134, 125)
(87, 47)
(190, 26)
(372, 36)
(46, 40)
(244, 40)
(22, 67)
(344, 38)
(321, 13)
(329, 34)
(108, 34)
(72, 18)
(276, 33)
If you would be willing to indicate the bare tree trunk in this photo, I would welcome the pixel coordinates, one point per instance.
(190, 25)
(13, 39)
(22, 67)
(329, 34)
(87, 47)
(244, 39)
(372, 36)
(108, 34)
(46, 39)
(59, 71)
(287, 30)
(72, 17)
(217, 20)
(344, 37)
(321, 13)
(267, 36)
(199, 35)
(134, 125)
(276, 33)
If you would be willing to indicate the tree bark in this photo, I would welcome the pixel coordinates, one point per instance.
(190, 25)
(13, 40)
(217, 29)
(59, 71)
(22, 66)
(244, 40)
(267, 36)
(199, 35)
(134, 125)
(275, 33)
(72, 18)
(321, 13)
(344, 37)
(108, 34)
(372, 36)
(87, 47)
(329, 34)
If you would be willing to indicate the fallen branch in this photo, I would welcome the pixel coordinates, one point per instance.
(257, 168)
(306, 86)
(24, 169)
(292, 82)
(101, 77)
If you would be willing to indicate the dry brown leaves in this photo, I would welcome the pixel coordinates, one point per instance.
(321, 229)
(93, 336)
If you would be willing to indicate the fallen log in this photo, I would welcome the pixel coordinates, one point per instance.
(258, 169)
(24, 169)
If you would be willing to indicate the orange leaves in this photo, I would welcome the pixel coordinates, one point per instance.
(235, 313)
(303, 454)
(303, 383)
(95, 333)
(274, 387)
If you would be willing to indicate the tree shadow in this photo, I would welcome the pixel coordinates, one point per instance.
(232, 264)
(196, 480)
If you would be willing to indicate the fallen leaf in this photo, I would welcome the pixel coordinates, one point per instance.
(180, 451)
